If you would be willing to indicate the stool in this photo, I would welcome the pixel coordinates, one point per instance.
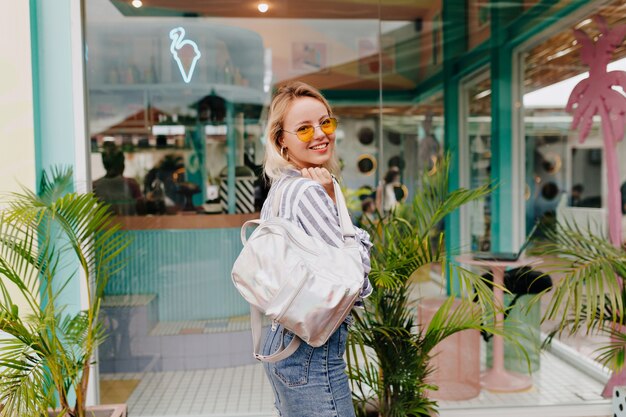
(524, 323)
(522, 319)
(455, 360)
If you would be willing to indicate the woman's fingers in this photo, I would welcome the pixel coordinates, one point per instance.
(322, 176)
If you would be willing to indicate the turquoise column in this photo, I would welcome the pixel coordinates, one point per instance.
(53, 31)
(454, 46)
(539, 18)
(53, 83)
(58, 100)
(502, 135)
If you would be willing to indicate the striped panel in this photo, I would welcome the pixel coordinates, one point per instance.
(187, 270)
(244, 195)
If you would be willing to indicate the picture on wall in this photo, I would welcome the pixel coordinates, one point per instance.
(369, 57)
(479, 12)
(479, 21)
(308, 56)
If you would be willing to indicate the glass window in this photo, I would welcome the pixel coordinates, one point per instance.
(564, 176)
(559, 169)
(477, 102)
(178, 98)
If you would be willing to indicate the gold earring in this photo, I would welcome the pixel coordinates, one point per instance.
(283, 153)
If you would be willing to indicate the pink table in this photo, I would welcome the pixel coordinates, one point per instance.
(497, 378)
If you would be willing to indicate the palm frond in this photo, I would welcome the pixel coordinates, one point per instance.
(17, 262)
(46, 241)
(394, 373)
(54, 183)
(26, 385)
(590, 267)
(612, 355)
(591, 294)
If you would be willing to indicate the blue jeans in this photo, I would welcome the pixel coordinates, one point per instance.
(312, 382)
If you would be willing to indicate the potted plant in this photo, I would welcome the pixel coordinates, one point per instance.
(46, 241)
(590, 295)
(393, 377)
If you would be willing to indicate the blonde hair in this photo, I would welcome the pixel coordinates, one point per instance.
(274, 163)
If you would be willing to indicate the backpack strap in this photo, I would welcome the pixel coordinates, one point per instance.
(347, 229)
(244, 228)
(283, 351)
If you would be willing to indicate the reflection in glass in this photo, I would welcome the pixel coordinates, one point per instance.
(186, 135)
(586, 189)
(478, 94)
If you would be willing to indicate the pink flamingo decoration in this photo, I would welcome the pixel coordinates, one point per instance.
(185, 53)
(595, 96)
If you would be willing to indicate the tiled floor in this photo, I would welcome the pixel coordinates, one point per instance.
(244, 391)
(240, 391)
(557, 383)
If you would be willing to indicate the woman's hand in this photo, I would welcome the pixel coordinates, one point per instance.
(322, 176)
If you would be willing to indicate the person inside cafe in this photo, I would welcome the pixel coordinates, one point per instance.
(162, 185)
(386, 194)
(122, 193)
(576, 195)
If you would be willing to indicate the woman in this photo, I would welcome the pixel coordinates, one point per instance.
(368, 212)
(387, 191)
(300, 161)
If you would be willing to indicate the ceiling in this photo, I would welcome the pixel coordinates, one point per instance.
(558, 58)
(552, 60)
(291, 9)
(555, 59)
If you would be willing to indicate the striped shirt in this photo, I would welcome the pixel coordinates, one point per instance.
(306, 203)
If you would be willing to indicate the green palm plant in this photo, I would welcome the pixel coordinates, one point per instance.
(46, 241)
(591, 294)
(393, 376)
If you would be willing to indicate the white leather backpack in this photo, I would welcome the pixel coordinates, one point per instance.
(297, 280)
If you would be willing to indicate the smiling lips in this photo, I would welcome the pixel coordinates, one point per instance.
(320, 147)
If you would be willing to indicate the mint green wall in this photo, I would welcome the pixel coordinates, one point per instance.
(187, 270)
(53, 86)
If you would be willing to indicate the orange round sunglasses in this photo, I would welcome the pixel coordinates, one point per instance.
(306, 132)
